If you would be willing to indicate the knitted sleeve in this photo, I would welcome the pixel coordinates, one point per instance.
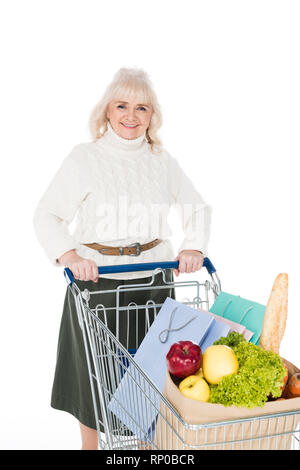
(58, 206)
(194, 213)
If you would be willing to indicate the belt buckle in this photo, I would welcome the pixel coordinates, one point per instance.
(138, 249)
(101, 251)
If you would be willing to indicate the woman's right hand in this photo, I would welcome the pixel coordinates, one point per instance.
(82, 269)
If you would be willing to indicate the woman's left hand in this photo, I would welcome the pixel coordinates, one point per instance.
(190, 261)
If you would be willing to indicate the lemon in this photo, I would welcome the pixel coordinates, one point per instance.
(219, 360)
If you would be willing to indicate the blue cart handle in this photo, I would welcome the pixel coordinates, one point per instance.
(121, 268)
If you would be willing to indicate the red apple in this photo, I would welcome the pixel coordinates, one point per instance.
(184, 358)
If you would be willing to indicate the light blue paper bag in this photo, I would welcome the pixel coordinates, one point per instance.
(175, 322)
(217, 330)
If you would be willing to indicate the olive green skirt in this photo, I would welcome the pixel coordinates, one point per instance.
(71, 391)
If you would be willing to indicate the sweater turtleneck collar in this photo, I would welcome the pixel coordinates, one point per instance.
(130, 145)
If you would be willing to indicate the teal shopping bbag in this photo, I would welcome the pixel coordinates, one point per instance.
(246, 312)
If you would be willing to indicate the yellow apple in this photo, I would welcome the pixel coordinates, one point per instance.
(195, 387)
(219, 360)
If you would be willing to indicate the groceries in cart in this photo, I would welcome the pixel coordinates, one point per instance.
(237, 373)
(174, 322)
(246, 393)
(209, 357)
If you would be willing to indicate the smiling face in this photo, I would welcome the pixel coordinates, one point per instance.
(129, 118)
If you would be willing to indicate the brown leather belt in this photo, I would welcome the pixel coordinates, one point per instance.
(134, 249)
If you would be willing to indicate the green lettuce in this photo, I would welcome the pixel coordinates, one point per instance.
(231, 340)
(260, 374)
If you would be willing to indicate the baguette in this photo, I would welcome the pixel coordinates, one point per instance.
(275, 315)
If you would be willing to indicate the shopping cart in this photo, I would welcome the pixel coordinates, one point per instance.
(126, 423)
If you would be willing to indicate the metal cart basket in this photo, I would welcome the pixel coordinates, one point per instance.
(108, 361)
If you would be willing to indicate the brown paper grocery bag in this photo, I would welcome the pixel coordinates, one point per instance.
(198, 425)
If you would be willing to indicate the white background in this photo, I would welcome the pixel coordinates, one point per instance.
(227, 76)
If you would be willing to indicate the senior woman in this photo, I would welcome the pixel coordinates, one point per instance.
(120, 186)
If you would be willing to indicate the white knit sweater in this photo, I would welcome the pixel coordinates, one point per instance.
(121, 193)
